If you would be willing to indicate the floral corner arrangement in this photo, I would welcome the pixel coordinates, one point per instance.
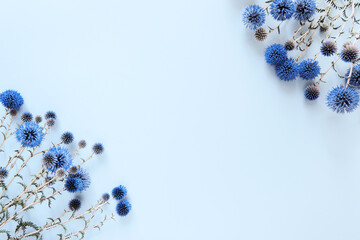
(61, 171)
(336, 23)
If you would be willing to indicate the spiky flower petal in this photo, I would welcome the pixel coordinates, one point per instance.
(282, 9)
(275, 54)
(309, 69)
(254, 17)
(343, 99)
(11, 99)
(312, 92)
(29, 134)
(287, 71)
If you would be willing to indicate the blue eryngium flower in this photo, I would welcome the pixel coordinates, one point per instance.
(343, 99)
(309, 69)
(312, 92)
(119, 192)
(63, 159)
(355, 76)
(275, 54)
(350, 53)
(74, 185)
(29, 134)
(123, 208)
(328, 48)
(83, 176)
(304, 9)
(287, 71)
(11, 99)
(282, 9)
(254, 17)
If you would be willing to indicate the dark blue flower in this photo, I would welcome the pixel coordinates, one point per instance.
(343, 99)
(50, 115)
(26, 117)
(123, 208)
(304, 9)
(355, 76)
(63, 158)
(287, 71)
(98, 148)
(83, 176)
(3, 173)
(350, 53)
(105, 197)
(282, 9)
(275, 54)
(74, 185)
(254, 17)
(29, 134)
(312, 92)
(328, 48)
(119, 192)
(74, 204)
(309, 69)
(67, 137)
(11, 99)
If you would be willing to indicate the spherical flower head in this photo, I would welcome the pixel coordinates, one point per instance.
(49, 160)
(260, 34)
(29, 134)
(13, 112)
(3, 173)
(328, 48)
(74, 204)
(38, 119)
(73, 169)
(50, 115)
(312, 92)
(123, 208)
(105, 197)
(82, 144)
(119, 192)
(83, 176)
(289, 45)
(350, 53)
(98, 148)
(74, 185)
(304, 9)
(343, 99)
(275, 54)
(11, 99)
(309, 69)
(282, 9)
(254, 17)
(50, 122)
(63, 159)
(67, 137)
(60, 173)
(287, 71)
(26, 117)
(355, 76)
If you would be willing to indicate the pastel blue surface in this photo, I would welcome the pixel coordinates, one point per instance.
(209, 143)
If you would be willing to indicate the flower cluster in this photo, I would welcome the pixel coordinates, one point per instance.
(333, 21)
(62, 170)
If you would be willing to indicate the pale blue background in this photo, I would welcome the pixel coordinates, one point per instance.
(209, 143)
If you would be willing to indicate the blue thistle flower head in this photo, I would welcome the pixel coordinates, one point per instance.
(29, 134)
(304, 9)
(3, 173)
(50, 115)
(74, 204)
(328, 48)
(254, 17)
(74, 185)
(312, 92)
(355, 76)
(83, 176)
(67, 137)
(98, 148)
(350, 53)
(287, 71)
(63, 159)
(119, 192)
(343, 99)
(105, 197)
(282, 9)
(123, 208)
(26, 117)
(11, 99)
(309, 69)
(275, 54)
